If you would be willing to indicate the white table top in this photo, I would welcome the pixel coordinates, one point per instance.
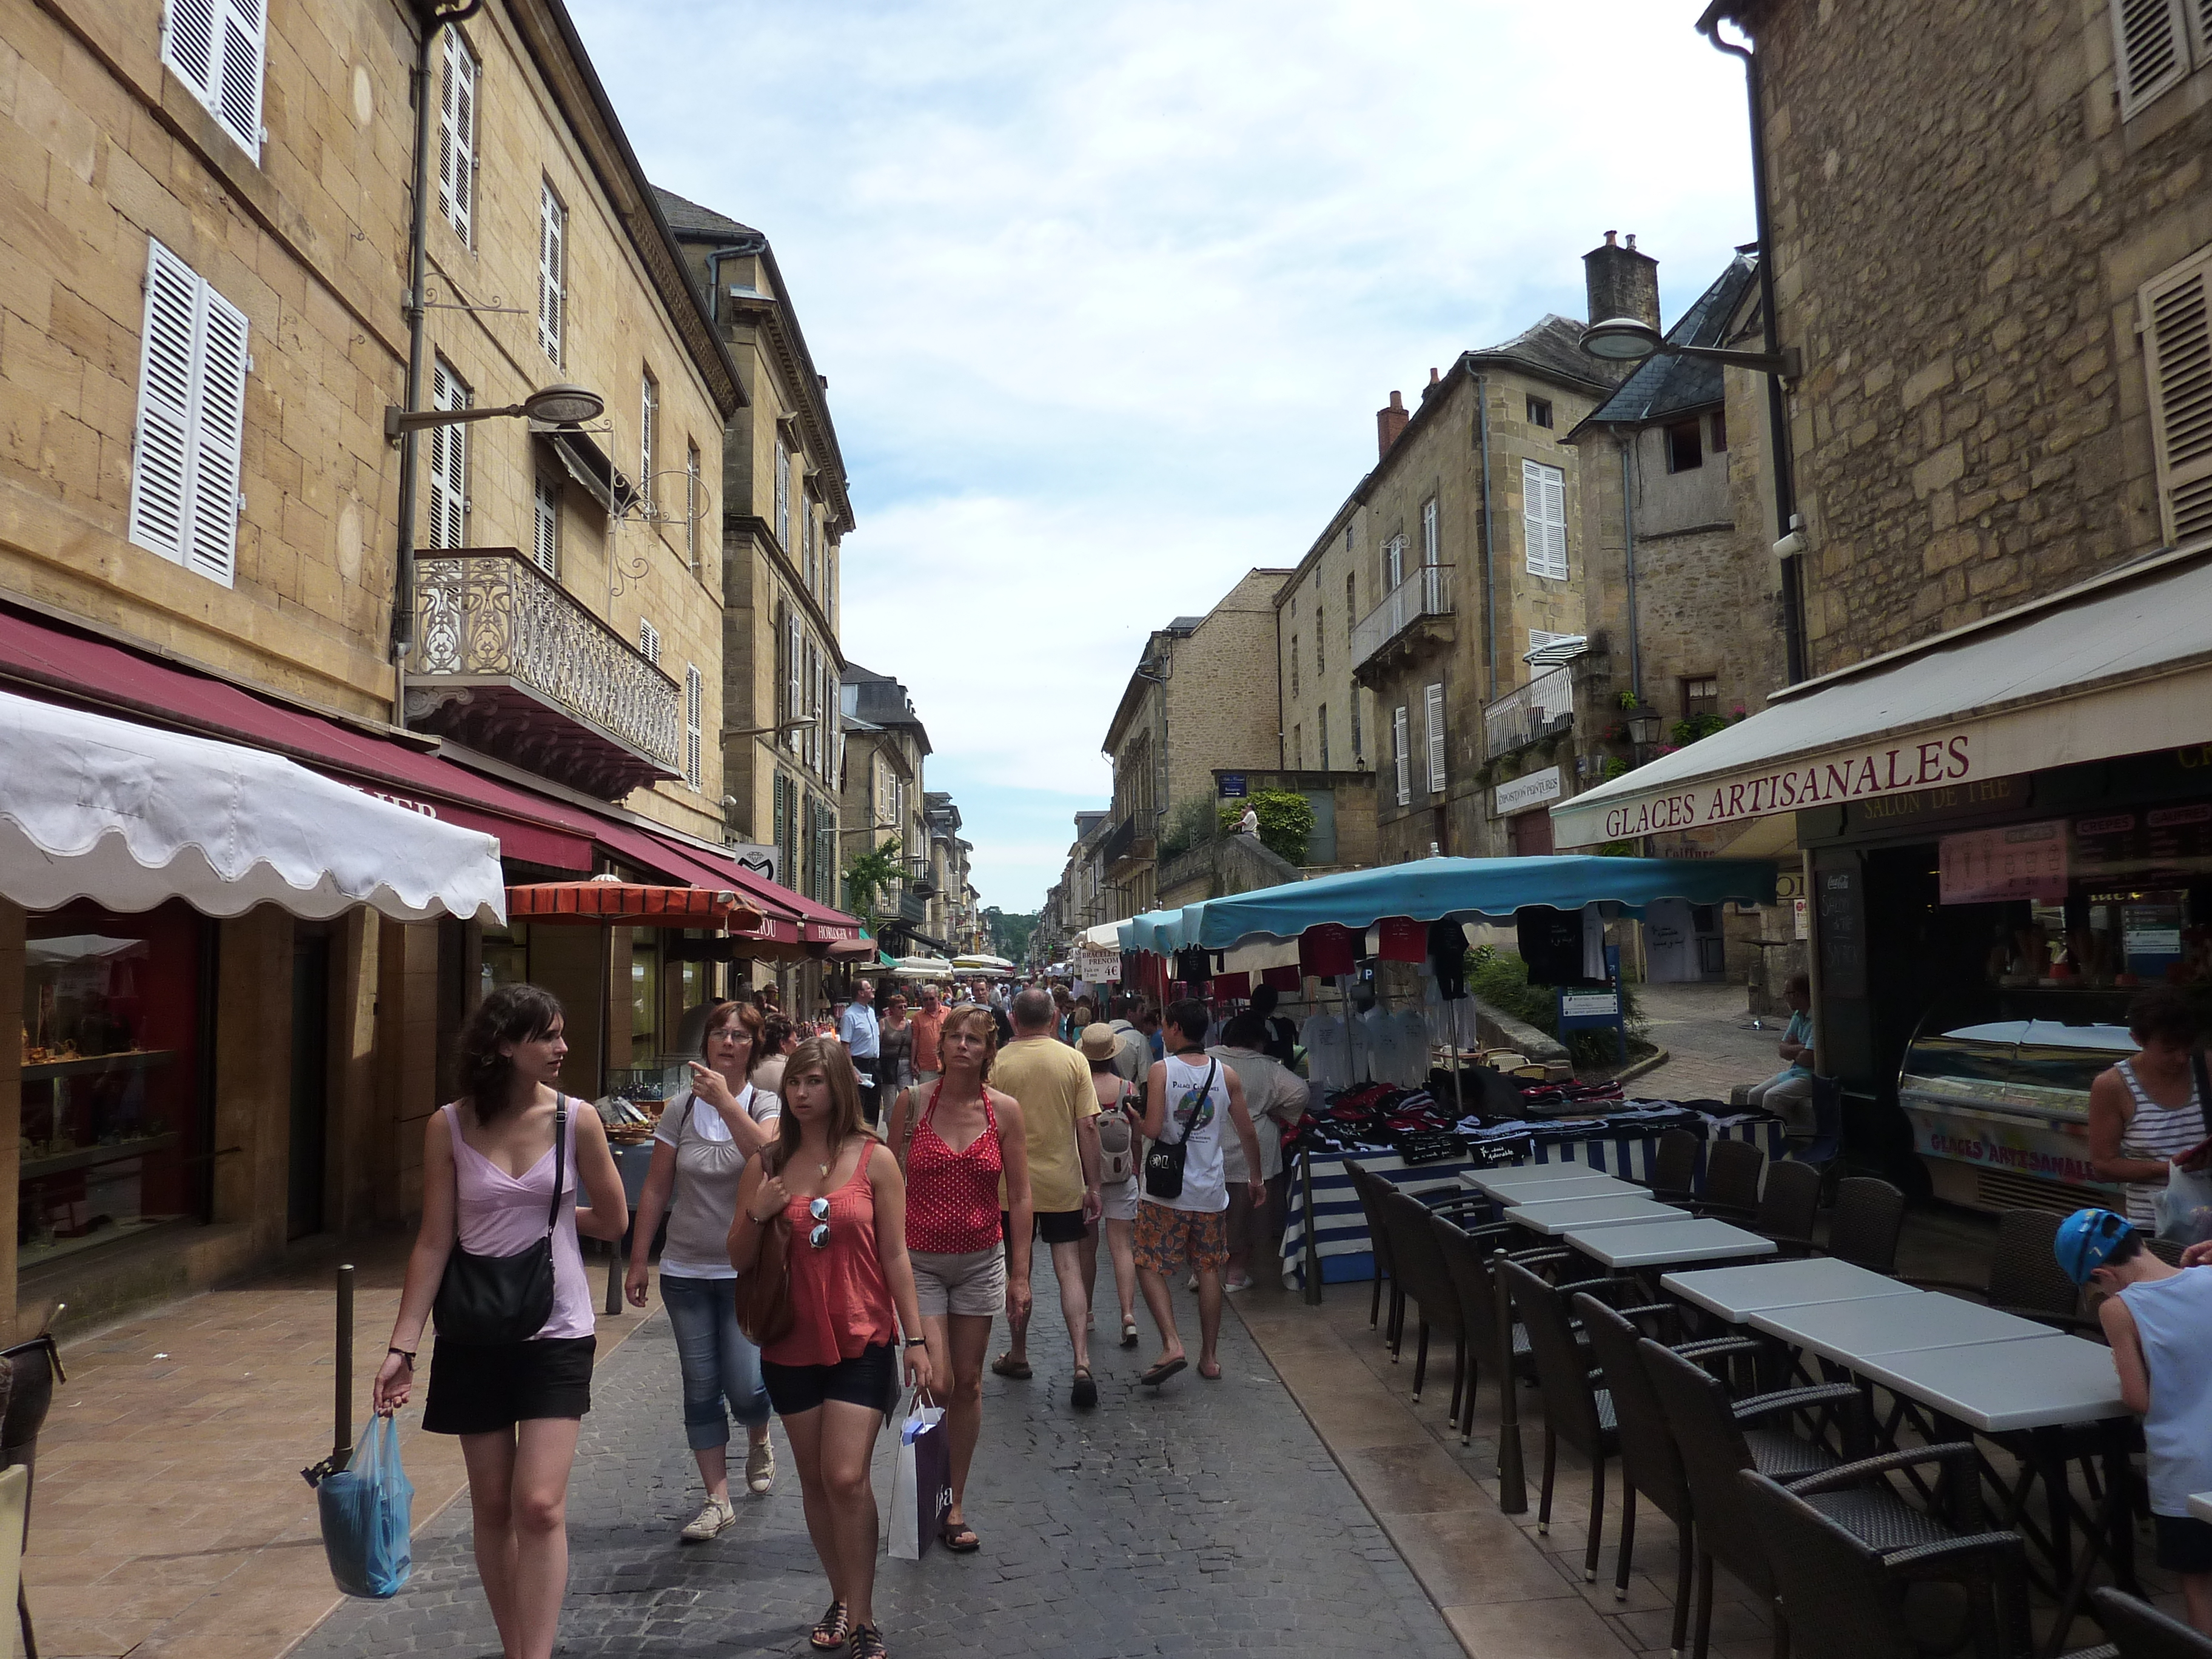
(1575, 1192)
(1735, 1294)
(1852, 1332)
(1532, 1175)
(1660, 1243)
(2200, 1505)
(1997, 1386)
(1553, 1219)
(1530, 1192)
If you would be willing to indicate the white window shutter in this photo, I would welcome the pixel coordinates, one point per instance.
(648, 640)
(1430, 545)
(2177, 317)
(694, 698)
(161, 468)
(1544, 519)
(648, 418)
(1398, 745)
(238, 95)
(2200, 31)
(1433, 698)
(2150, 52)
(794, 685)
(545, 544)
(457, 133)
(449, 461)
(188, 44)
(552, 238)
(219, 435)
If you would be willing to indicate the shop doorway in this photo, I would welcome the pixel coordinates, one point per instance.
(311, 1075)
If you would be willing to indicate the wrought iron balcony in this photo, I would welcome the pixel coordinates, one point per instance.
(1530, 713)
(506, 661)
(1403, 615)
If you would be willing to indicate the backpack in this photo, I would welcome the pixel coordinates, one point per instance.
(1117, 1144)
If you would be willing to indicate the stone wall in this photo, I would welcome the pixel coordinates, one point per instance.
(1962, 225)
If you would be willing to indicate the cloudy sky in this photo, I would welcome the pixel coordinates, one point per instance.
(1107, 294)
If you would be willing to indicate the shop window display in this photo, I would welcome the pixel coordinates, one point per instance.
(112, 1126)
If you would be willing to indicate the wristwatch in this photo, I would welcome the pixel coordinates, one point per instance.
(917, 1342)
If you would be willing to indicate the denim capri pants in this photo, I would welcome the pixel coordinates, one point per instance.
(722, 1370)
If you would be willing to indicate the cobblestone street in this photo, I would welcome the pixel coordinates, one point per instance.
(1208, 1518)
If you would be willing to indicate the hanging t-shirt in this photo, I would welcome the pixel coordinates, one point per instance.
(1447, 948)
(1327, 950)
(1550, 943)
(1400, 939)
(1329, 1051)
(1593, 945)
(1412, 1047)
(1286, 978)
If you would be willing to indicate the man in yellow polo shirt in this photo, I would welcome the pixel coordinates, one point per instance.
(1059, 1112)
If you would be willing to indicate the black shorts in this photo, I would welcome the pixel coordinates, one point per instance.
(483, 1389)
(2185, 1543)
(1053, 1226)
(867, 1379)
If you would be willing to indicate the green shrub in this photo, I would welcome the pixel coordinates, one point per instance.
(1501, 979)
(1286, 822)
(1190, 822)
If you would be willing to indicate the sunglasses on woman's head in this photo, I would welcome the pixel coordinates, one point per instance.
(819, 1235)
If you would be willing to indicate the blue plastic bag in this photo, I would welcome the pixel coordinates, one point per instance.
(368, 1515)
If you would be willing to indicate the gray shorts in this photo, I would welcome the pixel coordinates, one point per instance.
(1119, 1198)
(972, 1282)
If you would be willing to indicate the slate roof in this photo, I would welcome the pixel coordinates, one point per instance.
(1664, 386)
(690, 221)
(1553, 348)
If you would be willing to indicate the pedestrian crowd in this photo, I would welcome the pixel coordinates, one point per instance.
(843, 1209)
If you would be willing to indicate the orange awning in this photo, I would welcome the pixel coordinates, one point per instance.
(630, 904)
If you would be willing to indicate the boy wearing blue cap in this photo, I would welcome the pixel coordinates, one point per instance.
(2159, 1321)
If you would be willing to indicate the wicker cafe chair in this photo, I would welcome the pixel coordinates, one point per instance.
(1732, 1172)
(1467, 1256)
(1368, 1190)
(1843, 1592)
(1423, 1279)
(1674, 1168)
(2024, 1275)
(1576, 1409)
(1716, 1438)
(32, 1370)
(1863, 1229)
(2140, 1631)
(1787, 1205)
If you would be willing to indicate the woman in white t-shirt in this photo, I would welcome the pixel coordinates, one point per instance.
(1187, 1096)
(699, 1152)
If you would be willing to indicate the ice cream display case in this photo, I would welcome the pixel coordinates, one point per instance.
(2000, 1109)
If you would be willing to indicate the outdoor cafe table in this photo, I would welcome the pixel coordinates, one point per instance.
(1667, 1243)
(1553, 1219)
(1506, 1189)
(1734, 1294)
(1529, 1178)
(1849, 1332)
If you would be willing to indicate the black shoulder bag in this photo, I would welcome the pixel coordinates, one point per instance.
(1164, 1159)
(488, 1299)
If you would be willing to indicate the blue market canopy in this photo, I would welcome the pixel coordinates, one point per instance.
(1449, 889)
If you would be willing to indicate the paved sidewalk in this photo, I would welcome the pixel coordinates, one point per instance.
(1205, 1518)
(1703, 1028)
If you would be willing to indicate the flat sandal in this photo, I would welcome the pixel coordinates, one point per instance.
(868, 1643)
(833, 1628)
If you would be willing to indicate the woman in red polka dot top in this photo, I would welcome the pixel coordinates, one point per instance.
(958, 1139)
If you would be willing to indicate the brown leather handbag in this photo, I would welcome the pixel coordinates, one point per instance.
(764, 1311)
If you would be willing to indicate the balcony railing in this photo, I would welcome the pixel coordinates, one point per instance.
(1426, 593)
(506, 661)
(1122, 841)
(1530, 713)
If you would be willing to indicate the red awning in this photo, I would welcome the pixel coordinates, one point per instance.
(607, 903)
(38, 657)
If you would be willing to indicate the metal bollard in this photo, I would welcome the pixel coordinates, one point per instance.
(341, 1433)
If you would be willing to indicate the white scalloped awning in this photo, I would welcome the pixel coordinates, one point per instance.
(128, 816)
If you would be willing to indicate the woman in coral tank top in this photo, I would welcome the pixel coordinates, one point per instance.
(832, 1378)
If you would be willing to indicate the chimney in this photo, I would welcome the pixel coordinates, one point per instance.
(1622, 281)
(1388, 423)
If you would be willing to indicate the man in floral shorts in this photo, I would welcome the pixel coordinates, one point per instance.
(1185, 1218)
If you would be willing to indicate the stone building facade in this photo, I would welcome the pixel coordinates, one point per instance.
(1983, 418)
(1203, 695)
(886, 746)
(205, 322)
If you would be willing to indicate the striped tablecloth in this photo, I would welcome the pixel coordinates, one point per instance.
(1342, 1228)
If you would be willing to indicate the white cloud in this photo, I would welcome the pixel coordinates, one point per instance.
(1108, 295)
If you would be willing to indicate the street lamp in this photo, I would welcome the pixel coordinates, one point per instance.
(554, 405)
(1630, 340)
(1643, 730)
(779, 728)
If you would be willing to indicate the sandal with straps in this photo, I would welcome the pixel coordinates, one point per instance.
(868, 1643)
(832, 1629)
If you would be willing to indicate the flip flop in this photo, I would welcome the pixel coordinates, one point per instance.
(1161, 1372)
(1085, 1394)
(1213, 1376)
(1006, 1365)
(950, 1533)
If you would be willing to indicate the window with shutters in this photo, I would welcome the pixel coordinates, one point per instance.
(1432, 699)
(457, 134)
(216, 47)
(691, 504)
(1321, 654)
(1357, 755)
(1431, 546)
(1544, 519)
(1351, 600)
(552, 269)
(648, 640)
(648, 433)
(1294, 665)
(794, 696)
(695, 722)
(783, 496)
(545, 542)
(1398, 753)
(1538, 639)
(2156, 44)
(806, 541)
(1297, 748)
(449, 461)
(184, 500)
(1394, 563)
(1321, 728)
(2177, 334)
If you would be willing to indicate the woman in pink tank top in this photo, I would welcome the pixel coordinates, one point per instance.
(833, 1378)
(488, 1184)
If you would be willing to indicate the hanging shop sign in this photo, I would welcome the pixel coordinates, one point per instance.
(1522, 792)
